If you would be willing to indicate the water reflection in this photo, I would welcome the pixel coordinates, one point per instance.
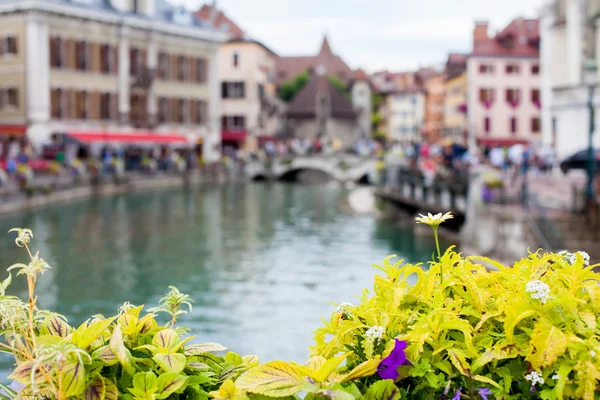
(263, 262)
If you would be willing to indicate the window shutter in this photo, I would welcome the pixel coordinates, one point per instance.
(143, 59)
(114, 62)
(72, 103)
(192, 69)
(174, 65)
(71, 54)
(203, 111)
(193, 114)
(53, 50)
(174, 110)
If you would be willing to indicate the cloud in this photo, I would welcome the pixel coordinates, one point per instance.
(373, 34)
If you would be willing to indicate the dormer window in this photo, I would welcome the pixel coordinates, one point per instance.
(182, 16)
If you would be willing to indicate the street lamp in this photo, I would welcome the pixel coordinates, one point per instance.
(590, 71)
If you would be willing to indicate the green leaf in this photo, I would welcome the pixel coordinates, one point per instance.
(120, 351)
(105, 355)
(165, 340)
(197, 349)
(362, 370)
(27, 373)
(385, 389)
(83, 337)
(330, 394)
(233, 358)
(95, 389)
(170, 383)
(5, 284)
(275, 378)
(547, 344)
(170, 362)
(145, 385)
(73, 379)
(55, 325)
(514, 315)
(110, 390)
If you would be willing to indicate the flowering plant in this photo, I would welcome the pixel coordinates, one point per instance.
(529, 331)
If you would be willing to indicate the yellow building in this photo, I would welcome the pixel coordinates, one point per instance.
(455, 101)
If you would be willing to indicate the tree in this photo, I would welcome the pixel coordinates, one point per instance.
(340, 86)
(289, 89)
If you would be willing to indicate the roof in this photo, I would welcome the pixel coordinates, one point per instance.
(521, 37)
(248, 40)
(456, 65)
(165, 12)
(289, 67)
(305, 104)
(212, 15)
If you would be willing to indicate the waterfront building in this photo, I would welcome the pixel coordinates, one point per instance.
(406, 114)
(455, 99)
(433, 82)
(568, 40)
(108, 66)
(503, 98)
(251, 113)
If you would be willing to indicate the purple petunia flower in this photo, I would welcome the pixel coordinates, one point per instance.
(388, 368)
(484, 393)
(457, 394)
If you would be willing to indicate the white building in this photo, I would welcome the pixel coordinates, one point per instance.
(109, 66)
(569, 38)
(360, 93)
(406, 114)
(503, 85)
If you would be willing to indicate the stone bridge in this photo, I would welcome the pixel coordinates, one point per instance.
(342, 168)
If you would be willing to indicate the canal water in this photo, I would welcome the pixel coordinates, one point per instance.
(264, 262)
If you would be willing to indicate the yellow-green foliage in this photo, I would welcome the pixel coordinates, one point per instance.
(478, 328)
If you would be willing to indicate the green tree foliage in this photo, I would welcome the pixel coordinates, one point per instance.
(340, 86)
(289, 89)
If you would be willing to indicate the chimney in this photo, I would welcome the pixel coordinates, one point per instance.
(480, 33)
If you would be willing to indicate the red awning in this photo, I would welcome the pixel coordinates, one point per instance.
(233, 136)
(264, 139)
(128, 138)
(13, 130)
(500, 142)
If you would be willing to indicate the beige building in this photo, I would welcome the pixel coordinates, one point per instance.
(455, 101)
(105, 66)
(250, 110)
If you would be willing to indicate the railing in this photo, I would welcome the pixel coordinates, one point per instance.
(449, 192)
(545, 232)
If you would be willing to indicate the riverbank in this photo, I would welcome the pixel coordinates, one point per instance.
(57, 191)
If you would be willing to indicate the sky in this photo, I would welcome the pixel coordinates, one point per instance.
(374, 35)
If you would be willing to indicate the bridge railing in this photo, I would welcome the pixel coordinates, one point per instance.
(447, 192)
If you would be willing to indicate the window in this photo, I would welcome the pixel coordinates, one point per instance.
(486, 69)
(513, 97)
(163, 110)
(486, 95)
(134, 61)
(232, 90)
(487, 124)
(105, 106)
(56, 103)
(535, 96)
(105, 58)
(57, 52)
(236, 59)
(512, 69)
(233, 123)
(163, 65)
(535, 125)
(513, 125)
(201, 112)
(9, 98)
(535, 69)
(183, 116)
(182, 68)
(261, 91)
(201, 70)
(82, 56)
(81, 104)
(8, 45)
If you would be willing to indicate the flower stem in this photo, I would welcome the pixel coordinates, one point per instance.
(437, 245)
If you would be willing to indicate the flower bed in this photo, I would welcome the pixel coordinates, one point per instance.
(460, 332)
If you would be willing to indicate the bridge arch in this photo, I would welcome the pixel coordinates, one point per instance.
(306, 174)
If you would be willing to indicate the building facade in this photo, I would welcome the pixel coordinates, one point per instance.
(455, 99)
(110, 66)
(433, 82)
(503, 77)
(250, 109)
(406, 115)
(569, 39)
(361, 95)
